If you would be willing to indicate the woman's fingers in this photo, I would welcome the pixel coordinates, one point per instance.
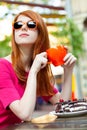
(40, 61)
(69, 59)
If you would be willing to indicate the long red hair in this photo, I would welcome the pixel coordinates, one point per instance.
(45, 80)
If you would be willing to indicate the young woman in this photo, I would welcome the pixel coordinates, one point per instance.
(25, 74)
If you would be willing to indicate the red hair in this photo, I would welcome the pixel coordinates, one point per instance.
(45, 78)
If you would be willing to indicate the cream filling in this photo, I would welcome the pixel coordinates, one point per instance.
(77, 108)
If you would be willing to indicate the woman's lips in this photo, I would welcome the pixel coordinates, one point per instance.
(24, 35)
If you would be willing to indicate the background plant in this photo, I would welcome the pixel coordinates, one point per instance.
(5, 46)
(71, 36)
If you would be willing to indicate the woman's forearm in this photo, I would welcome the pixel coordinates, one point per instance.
(67, 85)
(24, 107)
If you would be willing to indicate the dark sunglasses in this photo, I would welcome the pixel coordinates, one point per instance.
(30, 24)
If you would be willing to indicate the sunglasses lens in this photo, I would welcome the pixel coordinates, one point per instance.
(31, 24)
(18, 25)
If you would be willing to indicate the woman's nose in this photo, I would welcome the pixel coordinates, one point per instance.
(24, 27)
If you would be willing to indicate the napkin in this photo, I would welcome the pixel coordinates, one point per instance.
(44, 118)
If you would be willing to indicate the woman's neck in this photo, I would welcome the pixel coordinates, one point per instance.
(26, 55)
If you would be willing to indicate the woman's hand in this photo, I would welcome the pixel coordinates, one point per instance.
(69, 61)
(39, 62)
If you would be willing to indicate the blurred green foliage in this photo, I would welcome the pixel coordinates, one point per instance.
(71, 31)
(5, 48)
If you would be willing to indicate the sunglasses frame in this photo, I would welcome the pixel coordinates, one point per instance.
(26, 25)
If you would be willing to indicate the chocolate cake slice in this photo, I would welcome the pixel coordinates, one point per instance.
(71, 106)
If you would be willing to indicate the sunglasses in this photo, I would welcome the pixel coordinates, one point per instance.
(30, 24)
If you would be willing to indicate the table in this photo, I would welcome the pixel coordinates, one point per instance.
(73, 123)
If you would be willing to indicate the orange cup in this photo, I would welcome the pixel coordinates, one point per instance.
(56, 55)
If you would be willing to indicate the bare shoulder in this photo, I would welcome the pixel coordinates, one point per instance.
(8, 58)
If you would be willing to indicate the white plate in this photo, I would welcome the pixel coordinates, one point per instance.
(70, 114)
